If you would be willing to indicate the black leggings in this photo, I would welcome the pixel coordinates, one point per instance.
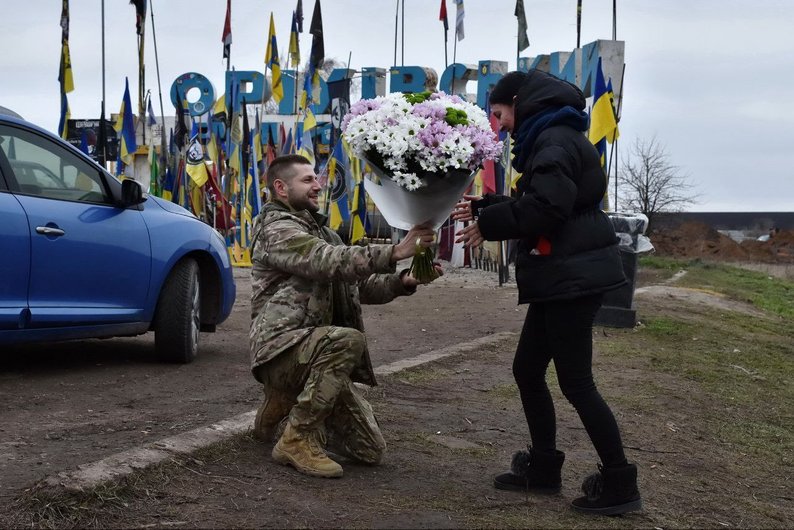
(562, 331)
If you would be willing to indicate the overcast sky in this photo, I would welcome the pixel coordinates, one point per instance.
(712, 80)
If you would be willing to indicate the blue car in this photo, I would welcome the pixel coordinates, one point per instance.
(85, 255)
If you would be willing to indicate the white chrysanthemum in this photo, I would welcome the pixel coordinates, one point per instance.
(392, 131)
(413, 182)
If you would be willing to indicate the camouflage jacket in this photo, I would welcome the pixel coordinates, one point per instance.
(304, 276)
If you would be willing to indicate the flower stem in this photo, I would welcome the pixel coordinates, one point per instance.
(422, 267)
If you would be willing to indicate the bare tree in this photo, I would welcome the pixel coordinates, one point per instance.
(651, 184)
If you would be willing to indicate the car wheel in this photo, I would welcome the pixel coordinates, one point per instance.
(178, 317)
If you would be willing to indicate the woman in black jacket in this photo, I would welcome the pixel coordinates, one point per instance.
(567, 258)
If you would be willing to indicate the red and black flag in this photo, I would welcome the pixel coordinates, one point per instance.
(442, 16)
(226, 38)
(140, 15)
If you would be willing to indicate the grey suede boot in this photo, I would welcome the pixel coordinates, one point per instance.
(533, 471)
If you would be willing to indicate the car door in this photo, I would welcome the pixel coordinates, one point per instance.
(15, 262)
(90, 261)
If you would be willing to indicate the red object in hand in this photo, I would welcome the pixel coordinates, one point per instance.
(544, 246)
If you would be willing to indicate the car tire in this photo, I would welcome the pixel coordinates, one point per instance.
(178, 317)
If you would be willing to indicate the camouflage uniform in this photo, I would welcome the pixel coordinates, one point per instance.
(307, 330)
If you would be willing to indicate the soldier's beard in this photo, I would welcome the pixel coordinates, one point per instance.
(301, 202)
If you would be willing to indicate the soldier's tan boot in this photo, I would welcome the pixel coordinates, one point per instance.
(275, 408)
(304, 452)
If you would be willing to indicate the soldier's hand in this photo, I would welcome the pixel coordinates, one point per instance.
(410, 283)
(421, 235)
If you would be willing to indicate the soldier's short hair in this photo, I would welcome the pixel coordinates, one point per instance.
(282, 168)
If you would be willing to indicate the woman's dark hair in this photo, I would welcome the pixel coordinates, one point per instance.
(507, 88)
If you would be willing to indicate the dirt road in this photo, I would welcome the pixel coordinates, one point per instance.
(701, 390)
(66, 404)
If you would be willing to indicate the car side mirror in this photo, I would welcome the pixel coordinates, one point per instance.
(131, 193)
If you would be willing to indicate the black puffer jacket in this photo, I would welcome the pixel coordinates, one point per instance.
(567, 245)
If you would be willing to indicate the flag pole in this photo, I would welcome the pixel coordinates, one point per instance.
(350, 219)
(620, 93)
(518, 48)
(446, 32)
(614, 19)
(455, 44)
(396, 22)
(103, 152)
(578, 22)
(402, 37)
(157, 64)
(446, 46)
(296, 96)
(142, 78)
(613, 154)
(613, 151)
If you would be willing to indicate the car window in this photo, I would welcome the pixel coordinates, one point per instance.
(33, 174)
(43, 168)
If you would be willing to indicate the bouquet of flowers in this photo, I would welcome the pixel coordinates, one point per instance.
(423, 150)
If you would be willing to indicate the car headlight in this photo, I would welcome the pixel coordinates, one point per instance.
(219, 236)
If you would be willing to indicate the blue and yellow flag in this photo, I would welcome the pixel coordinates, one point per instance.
(360, 219)
(271, 60)
(309, 121)
(195, 162)
(603, 124)
(126, 127)
(168, 185)
(311, 80)
(294, 43)
(65, 78)
(306, 147)
(337, 169)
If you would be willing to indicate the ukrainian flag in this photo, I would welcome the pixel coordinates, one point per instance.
(126, 126)
(360, 219)
(337, 169)
(271, 59)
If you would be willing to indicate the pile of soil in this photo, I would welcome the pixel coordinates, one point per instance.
(779, 248)
(698, 240)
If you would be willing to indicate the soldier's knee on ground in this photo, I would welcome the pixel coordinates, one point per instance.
(372, 454)
(367, 449)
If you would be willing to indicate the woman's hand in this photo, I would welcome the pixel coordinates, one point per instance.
(462, 211)
(470, 236)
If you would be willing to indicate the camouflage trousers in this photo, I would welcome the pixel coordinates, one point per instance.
(315, 373)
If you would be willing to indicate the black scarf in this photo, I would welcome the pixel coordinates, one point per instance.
(534, 125)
